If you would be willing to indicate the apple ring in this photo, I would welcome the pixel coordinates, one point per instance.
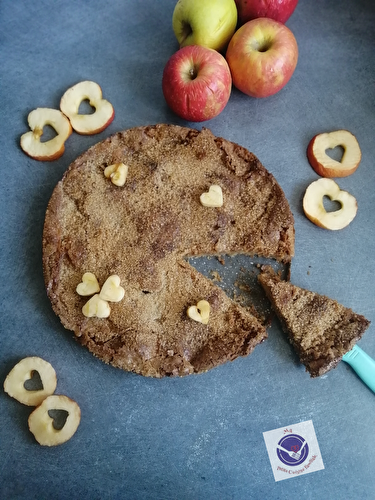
(14, 384)
(52, 149)
(41, 424)
(314, 208)
(87, 124)
(326, 166)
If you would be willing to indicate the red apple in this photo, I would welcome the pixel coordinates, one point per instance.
(197, 83)
(279, 10)
(262, 56)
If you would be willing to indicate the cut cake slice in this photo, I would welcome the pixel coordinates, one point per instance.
(320, 329)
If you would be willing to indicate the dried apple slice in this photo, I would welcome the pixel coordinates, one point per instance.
(41, 423)
(314, 208)
(48, 150)
(87, 124)
(326, 166)
(14, 384)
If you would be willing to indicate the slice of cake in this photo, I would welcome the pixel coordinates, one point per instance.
(320, 329)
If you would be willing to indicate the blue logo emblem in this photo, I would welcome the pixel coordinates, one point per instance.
(292, 450)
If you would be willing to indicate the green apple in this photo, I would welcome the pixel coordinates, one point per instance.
(209, 23)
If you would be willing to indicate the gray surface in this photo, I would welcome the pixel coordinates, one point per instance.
(198, 437)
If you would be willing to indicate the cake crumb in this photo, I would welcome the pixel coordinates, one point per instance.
(215, 276)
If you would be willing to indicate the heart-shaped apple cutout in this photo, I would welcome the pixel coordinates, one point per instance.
(88, 286)
(14, 384)
(313, 205)
(96, 308)
(87, 124)
(117, 173)
(111, 290)
(48, 150)
(59, 418)
(41, 421)
(214, 197)
(326, 166)
(200, 312)
(34, 383)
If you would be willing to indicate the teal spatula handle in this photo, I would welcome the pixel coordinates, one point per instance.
(362, 364)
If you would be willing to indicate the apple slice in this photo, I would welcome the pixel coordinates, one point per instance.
(48, 150)
(41, 423)
(314, 208)
(87, 124)
(14, 384)
(327, 166)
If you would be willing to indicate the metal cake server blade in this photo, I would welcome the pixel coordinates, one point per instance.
(362, 364)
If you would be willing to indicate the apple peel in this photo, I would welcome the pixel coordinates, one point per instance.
(314, 208)
(14, 384)
(87, 124)
(48, 150)
(326, 166)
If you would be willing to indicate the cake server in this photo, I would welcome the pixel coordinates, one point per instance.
(362, 364)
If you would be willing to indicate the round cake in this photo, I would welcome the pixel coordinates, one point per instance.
(143, 230)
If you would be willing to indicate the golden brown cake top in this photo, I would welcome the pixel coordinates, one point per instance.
(143, 231)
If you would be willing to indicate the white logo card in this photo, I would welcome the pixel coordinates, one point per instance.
(293, 450)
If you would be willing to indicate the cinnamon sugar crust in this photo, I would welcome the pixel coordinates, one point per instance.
(145, 230)
(320, 329)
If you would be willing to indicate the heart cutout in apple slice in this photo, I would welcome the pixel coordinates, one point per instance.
(59, 418)
(336, 153)
(34, 383)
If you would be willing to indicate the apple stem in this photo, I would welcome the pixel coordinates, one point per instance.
(262, 45)
(193, 72)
